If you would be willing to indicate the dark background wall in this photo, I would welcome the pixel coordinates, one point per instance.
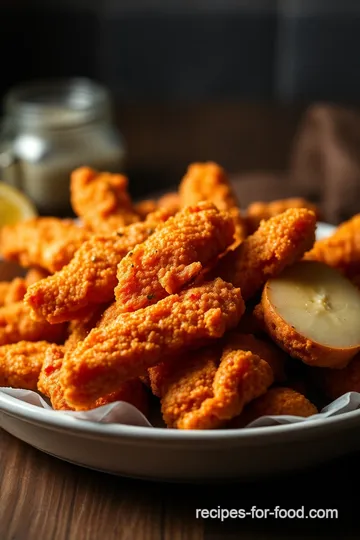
(193, 79)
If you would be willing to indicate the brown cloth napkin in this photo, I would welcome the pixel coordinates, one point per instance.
(325, 161)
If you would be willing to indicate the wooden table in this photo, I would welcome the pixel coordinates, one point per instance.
(42, 498)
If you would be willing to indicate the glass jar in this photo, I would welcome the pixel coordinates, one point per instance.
(49, 129)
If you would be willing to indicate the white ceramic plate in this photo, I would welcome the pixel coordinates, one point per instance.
(185, 456)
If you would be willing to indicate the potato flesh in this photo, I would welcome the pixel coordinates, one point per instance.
(319, 303)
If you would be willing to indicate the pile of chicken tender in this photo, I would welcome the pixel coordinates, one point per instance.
(159, 303)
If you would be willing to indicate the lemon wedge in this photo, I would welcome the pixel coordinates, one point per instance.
(14, 205)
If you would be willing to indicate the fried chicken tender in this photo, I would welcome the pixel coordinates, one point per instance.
(144, 208)
(184, 383)
(101, 200)
(80, 328)
(131, 391)
(275, 402)
(133, 342)
(267, 351)
(173, 256)
(170, 202)
(12, 291)
(241, 377)
(16, 324)
(209, 182)
(194, 365)
(20, 364)
(337, 382)
(259, 211)
(90, 278)
(45, 242)
(278, 243)
(342, 249)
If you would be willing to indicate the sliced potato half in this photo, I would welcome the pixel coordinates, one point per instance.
(313, 313)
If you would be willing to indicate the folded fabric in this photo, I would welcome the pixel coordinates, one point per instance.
(325, 160)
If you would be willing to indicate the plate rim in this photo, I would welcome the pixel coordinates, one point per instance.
(62, 422)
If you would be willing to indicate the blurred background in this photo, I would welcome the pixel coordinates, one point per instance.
(268, 89)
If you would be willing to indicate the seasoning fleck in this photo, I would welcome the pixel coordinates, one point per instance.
(150, 296)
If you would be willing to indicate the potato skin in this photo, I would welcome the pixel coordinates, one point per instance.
(298, 346)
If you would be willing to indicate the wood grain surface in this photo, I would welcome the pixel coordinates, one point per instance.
(43, 498)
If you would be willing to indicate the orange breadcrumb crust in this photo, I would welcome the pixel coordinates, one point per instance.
(278, 243)
(16, 324)
(187, 383)
(240, 378)
(133, 342)
(132, 391)
(101, 200)
(171, 202)
(268, 351)
(259, 211)
(342, 249)
(173, 256)
(144, 208)
(208, 182)
(46, 242)
(275, 402)
(20, 364)
(90, 278)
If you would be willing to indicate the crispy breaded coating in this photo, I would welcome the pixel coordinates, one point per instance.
(12, 291)
(208, 182)
(48, 382)
(133, 342)
(278, 243)
(45, 242)
(132, 391)
(80, 328)
(241, 377)
(337, 382)
(20, 364)
(185, 383)
(146, 207)
(268, 351)
(90, 278)
(16, 324)
(275, 402)
(173, 256)
(190, 365)
(170, 202)
(342, 249)
(259, 211)
(101, 200)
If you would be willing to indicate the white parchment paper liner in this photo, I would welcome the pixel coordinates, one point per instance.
(120, 412)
